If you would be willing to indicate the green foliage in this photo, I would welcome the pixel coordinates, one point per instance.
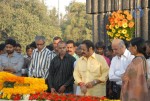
(76, 25)
(24, 19)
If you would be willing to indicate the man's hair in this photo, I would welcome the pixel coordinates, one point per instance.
(37, 38)
(33, 44)
(2, 46)
(11, 42)
(148, 42)
(56, 38)
(29, 47)
(71, 42)
(61, 42)
(88, 44)
(18, 45)
(100, 44)
(121, 43)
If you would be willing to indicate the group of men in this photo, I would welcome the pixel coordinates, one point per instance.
(62, 67)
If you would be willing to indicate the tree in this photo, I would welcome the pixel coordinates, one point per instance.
(24, 19)
(76, 24)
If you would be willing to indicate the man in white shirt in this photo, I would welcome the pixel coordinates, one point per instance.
(118, 65)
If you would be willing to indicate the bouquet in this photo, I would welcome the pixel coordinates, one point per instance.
(120, 25)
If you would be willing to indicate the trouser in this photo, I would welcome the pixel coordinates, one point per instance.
(114, 90)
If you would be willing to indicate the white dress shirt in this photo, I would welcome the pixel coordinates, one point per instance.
(118, 66)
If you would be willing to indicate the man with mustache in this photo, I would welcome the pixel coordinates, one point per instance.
(71, 48)
(91, 71)
(11, 61)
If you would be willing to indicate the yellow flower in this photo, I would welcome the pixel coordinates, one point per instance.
(119, 31)
(117, 35)
(111, 34)
(124, 25)
(113, 30)
(124, 31)
(126, 35)
(110, 27)
(116, 26)
(128, 39)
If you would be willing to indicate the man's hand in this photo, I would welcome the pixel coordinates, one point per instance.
(8, 69)
(53, 90)
(83, 89)
(90, 84)
(62, 89)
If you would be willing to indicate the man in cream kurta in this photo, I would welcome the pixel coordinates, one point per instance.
(91, 71)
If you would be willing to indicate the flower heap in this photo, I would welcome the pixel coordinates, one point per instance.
(13, 85)
(120, 25)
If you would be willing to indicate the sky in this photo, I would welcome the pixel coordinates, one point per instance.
(62, 3)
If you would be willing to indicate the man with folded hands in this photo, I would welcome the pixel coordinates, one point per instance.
(91, 71)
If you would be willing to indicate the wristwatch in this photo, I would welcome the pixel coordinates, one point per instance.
(95, 82)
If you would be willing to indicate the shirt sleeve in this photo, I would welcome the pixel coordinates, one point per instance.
(104, 70)
(30, 72)
(71, 80)
(46, 69)
(76, 73)
(51, 74)
(20, 63)
(112, 75)
(1, 68)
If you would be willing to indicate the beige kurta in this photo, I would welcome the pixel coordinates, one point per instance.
(134, 86)
(87, 70)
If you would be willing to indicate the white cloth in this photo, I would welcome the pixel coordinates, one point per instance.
(148, 69)
(118, 66)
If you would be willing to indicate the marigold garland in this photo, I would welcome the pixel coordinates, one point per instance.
(22, 85)
(120, 25)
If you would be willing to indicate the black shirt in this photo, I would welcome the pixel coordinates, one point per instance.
(61, 73)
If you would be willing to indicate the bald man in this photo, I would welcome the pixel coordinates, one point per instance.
(118, 65)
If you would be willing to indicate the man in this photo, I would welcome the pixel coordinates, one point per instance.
(100, 48)
(56, 40)
(18, 48)
(2, 48)
(11, 61)
(27, 60)
(118, 65)
(71, 48)
(41, 58)
(91, 71)
(60, 79)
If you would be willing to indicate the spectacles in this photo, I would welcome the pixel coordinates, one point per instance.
(40, 44)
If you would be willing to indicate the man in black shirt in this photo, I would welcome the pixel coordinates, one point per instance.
(60, 79)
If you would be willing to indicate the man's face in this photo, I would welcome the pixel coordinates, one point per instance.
(100, 51)
(29, 52)
(9, 48)
(18, 50)
(62, 48)
(40, 44)
(85, 51)
(55, 44)
(147, 50)
(117, 50)
(70, 49)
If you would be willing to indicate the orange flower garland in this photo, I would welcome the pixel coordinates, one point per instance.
(121, 25)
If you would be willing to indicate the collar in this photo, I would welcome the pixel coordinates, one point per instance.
(92, 56)
(126, 53)
(66, 55)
